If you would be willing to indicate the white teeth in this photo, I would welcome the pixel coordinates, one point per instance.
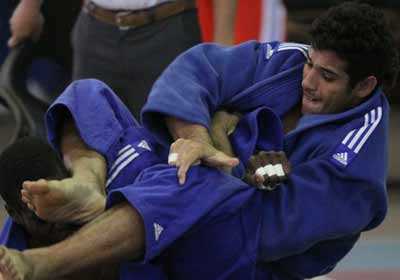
(311, 98)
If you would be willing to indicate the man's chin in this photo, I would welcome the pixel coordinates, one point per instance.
(306, 110)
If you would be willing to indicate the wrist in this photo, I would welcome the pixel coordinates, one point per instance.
(186, 130)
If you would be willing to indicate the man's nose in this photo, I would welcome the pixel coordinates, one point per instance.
(310, 80)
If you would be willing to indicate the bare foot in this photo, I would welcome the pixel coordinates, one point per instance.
(14, 265)
(66, 200)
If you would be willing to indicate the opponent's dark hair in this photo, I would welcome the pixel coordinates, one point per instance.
(358, 34)
(28, 158)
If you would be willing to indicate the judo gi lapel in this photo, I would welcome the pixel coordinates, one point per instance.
(308, 122)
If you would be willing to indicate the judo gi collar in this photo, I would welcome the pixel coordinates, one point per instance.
(312, 120)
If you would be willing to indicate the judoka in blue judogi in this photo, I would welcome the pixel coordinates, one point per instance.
(178, 220)
(337, 186)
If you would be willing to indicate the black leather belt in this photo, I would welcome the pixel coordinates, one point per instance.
(132, 19)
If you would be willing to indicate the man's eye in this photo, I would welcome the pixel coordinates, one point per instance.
(327, 76)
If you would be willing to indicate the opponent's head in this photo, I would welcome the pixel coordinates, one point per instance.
(27, 159)
(352, 52)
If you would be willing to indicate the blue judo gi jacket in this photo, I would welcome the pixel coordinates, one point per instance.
(178, 220)
(339, 161)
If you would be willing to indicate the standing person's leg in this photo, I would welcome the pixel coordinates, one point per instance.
(55, 41)
(117, 235)
(149, 49)
(130, 60)
(98, 54)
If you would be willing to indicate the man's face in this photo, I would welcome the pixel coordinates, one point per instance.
(38, 228)
(326, 87)
(26, 218)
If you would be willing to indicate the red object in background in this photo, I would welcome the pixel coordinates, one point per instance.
(248, 20)
(247, 23)
(206, 19)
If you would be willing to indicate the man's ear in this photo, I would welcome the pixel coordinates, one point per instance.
(365, 87)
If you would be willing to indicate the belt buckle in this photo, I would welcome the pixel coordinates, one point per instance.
(119, 20)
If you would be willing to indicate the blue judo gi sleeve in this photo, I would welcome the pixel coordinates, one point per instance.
(210, 77)
(105, 125)
(98, 113)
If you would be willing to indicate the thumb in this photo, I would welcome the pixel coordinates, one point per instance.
(221, 159)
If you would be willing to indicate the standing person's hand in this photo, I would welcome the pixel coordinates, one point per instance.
(26, 22)
(266, 170)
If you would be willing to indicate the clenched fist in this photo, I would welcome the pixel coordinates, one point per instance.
(266, 170)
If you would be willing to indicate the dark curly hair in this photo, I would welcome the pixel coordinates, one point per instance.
(358, 34)
(28, 158)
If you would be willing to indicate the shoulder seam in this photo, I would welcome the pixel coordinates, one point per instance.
(294, 46)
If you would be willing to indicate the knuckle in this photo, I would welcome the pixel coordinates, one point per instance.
(253, 159)
(262, 153)
(173, 146)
